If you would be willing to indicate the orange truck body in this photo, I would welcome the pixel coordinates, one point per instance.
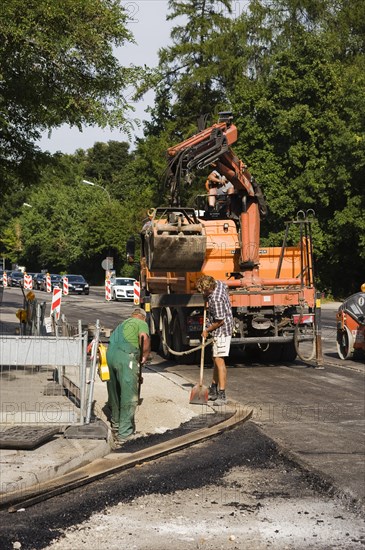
(271, 289)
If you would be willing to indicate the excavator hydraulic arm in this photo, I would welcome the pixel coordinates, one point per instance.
(180, 244)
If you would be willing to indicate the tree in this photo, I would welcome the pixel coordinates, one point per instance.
(72, 227)
(106, 163)
(293, 73)
(188, 80)
(301, 114)
(57, 65)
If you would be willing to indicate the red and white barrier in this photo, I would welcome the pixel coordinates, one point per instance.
(65, 286)
(136, 293)
(5, 280)
(48, 283)
(108, 292)
(56, 302)
(28, 282)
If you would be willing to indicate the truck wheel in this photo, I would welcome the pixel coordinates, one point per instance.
(253, 353)
(288, 352)
(273, 354)
(166, 338)
(155, 342)
(345, 343)
(177, 345)
(176, 340)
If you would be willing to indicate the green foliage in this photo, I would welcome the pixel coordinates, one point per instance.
(57, 65)
(292, 71)
(188, 80)
(301, 128)
(105, 163)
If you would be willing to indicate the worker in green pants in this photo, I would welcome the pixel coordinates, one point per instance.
(128, 342)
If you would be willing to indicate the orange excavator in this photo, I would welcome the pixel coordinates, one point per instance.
(271, 288)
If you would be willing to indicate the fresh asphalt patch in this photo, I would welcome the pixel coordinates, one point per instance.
(201, 468)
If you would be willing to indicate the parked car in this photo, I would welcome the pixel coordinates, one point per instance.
(56, 281)
(17, 278)
(37, 279)
(1, 277)
(122, 288)
(77, 284)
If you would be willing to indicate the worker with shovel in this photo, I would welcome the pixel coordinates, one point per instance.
(220, 325)
(128, 349)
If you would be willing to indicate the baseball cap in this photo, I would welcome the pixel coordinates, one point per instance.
(139, 311)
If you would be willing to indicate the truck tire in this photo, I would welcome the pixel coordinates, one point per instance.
(176, 340)
(288, 352)
(165, 337)
(273, 353)
(155, 342)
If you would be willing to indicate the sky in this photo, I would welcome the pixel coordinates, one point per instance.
(151, 31)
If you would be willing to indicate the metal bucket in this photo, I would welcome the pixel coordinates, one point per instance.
(178, 246)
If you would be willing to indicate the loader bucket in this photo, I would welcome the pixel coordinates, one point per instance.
(175, 241)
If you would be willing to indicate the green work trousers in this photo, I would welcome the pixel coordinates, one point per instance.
(123, 390)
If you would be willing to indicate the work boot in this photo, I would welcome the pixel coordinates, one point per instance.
(221, 398)
(212, 392)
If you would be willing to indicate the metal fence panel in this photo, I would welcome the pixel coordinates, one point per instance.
(43, 379)
(38, 351)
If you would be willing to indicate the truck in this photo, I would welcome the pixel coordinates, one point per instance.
(271, 289)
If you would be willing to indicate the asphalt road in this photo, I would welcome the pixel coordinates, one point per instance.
(294, 476)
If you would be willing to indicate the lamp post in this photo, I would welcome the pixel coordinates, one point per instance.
(86, 182)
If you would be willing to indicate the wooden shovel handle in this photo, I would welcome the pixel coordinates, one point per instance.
(203, 347)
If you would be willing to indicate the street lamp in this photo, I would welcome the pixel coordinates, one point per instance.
(86, 182)
(27, 204)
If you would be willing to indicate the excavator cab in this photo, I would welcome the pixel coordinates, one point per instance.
(225, 207)
(174, 240)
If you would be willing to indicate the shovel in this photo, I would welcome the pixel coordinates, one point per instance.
(140, 376)
(199, 393)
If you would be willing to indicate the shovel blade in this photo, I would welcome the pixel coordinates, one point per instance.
(199, 395)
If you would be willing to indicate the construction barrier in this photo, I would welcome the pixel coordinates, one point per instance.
(43, 380)
(5, 280)
(136, 293)
(108, 293)
(56, 303)
(28, 282)
(48, 283)
(65, 286)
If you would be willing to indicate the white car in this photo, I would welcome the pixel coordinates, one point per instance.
(122, 288)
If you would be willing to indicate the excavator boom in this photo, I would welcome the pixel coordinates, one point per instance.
(212, 146)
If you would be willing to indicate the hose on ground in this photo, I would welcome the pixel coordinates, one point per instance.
(297, 341)
(188, 351)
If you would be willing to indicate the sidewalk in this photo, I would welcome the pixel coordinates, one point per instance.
(165, 406)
